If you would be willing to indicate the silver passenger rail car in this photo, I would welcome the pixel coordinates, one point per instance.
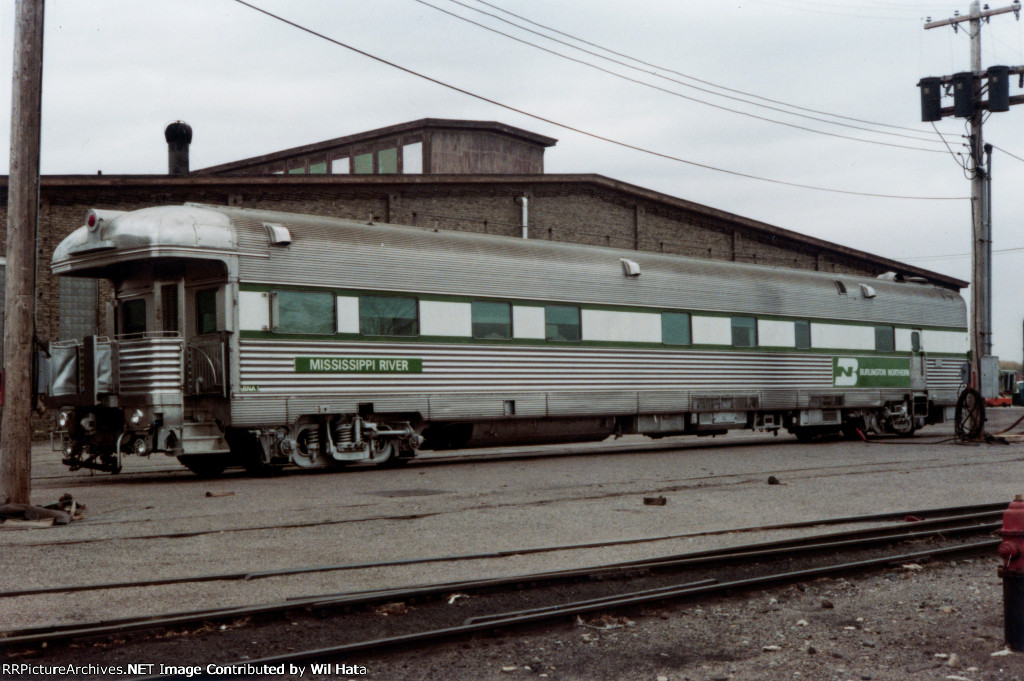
(264, 338)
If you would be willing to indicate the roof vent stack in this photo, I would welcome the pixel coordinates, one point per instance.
(178, 135)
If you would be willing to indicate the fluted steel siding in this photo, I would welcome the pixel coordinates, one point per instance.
(348, 254)
(150, 366)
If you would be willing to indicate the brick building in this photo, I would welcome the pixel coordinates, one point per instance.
(465, 175)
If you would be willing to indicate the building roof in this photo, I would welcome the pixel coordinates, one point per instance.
(587, 181)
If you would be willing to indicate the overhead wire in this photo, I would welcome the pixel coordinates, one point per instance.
(679, 82)
(580, 131)
(689, 77)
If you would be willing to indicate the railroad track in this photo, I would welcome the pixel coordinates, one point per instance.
(488, 604)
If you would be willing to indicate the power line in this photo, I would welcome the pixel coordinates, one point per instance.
(678, 94)
(565, 126)
(693, 78)
(1008, 153)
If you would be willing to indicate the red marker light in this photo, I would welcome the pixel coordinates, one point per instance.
(90, 220)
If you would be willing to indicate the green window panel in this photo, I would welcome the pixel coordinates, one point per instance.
(885, 339)
(388, 316)
(318, 168)
(675, 328)
(206, 311)
(133, 316)
(803, 334)
(492, 320)
(303, 312)
(744, 332)
(562, 323)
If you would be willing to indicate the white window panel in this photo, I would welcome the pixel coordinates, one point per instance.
(842, 336)
(528, 322)
(446, 319)
(253, 311)
(348, 314)
(621, 327)
(711, 330)
(776, 334)
(944, 341)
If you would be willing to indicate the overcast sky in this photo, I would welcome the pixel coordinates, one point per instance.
(116, 72)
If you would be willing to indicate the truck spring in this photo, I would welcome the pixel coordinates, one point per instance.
(343, 435)
(313, 441)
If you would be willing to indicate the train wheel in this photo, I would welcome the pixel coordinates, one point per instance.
(247, 450)
(206, 465)
(804, 434)
(386, 455)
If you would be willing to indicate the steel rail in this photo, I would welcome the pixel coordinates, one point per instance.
(833, 541)
(580, 608)
(983, 510)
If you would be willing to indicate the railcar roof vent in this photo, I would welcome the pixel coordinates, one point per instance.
(867, 291)
(630, 268)
(277, 234)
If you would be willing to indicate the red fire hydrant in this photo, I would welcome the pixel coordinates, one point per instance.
(1011, 569)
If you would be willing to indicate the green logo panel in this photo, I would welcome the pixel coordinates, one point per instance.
(871, 372)
(358, 365)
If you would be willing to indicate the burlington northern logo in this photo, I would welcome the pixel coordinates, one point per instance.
(846, 371)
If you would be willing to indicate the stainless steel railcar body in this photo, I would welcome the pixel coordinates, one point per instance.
(266, 338)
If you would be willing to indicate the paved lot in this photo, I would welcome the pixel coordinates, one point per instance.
(156, 520)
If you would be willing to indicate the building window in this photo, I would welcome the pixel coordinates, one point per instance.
(300, 170)
(492, 320)
(412, 159)
(885, 339)
(318, 168)
(302, 312)
(388, 316)
(803, 334)
(77, 306)
(340, 166)
(206, 311)
(362, 164)
(562, 323)
(675, 328)
(387, 161)
(133, 316)
(744, 332)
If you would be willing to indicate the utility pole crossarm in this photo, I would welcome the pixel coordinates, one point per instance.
(982, 14)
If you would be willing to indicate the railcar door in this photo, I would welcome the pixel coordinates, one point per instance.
(918, 378)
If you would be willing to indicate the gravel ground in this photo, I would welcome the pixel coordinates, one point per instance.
(934, 621)
(931, 621)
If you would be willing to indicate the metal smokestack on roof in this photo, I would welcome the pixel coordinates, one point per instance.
(178, 135)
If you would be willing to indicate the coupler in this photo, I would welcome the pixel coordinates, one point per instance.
(1011, 570)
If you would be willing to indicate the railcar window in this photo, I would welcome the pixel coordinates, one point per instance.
(915, 341)
(388, 316)
(885, 339)
(803, 334)
(206, 311)
(303, 312)
(169, 307)
(492, 320)
(562, 323)
(744, 332)
(675, 328)
(133, 316)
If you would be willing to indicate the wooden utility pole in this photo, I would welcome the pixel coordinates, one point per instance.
(22, 216)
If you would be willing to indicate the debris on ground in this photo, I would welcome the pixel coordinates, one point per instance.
(61, 512)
